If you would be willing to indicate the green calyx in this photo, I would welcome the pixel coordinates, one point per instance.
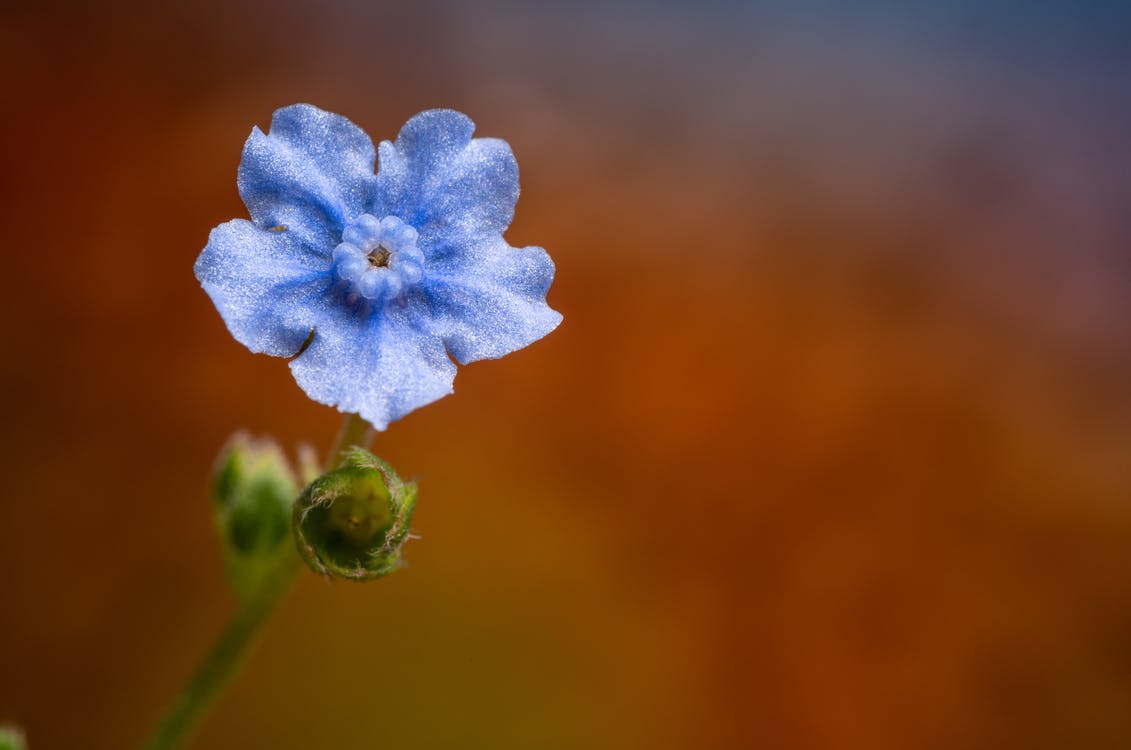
(253, 491)
(351, 522)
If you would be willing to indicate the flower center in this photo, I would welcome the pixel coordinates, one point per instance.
(379, 258)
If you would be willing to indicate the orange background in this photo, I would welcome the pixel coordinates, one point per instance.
(831, 451)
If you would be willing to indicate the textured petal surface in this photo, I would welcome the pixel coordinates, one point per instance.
(450, 187)
(267, 286)
(492, 301)
(312, 172)
(380, 329)
(380, 366)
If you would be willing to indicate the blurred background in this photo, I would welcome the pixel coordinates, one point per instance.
(831, 451)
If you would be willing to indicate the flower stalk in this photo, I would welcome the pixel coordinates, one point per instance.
(239, 637)
(227, 656)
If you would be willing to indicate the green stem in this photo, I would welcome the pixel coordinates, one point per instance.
(235, 643)
(355, 431)
(225, 659)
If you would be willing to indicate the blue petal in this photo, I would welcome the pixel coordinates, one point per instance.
(312, 172)
(380, 366)
(450, 187)
(491, 301)
(264, 284)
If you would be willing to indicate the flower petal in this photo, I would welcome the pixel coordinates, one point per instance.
(447, 185)
(312, 172)
(380, 366)
(492, 301)
(264, 284)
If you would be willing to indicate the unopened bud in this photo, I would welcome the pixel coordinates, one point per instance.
(351, 522)
(11, 738)
(254, 489)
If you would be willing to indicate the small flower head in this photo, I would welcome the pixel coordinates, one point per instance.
(352, 522)
(375, 282)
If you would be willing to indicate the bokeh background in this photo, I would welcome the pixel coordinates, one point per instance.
(831, 451)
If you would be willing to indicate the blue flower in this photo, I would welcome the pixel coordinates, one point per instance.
(373, 280)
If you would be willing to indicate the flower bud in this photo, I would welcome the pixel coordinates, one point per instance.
(11, 738)
(253, 490)
(351, 522)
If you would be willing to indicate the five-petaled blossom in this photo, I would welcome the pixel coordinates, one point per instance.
(374, 279)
